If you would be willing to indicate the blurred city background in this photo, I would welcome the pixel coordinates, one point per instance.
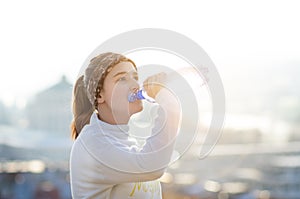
(257, 156)
(255, 46)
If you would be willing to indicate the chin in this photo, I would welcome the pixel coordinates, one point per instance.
(140, 109)
(137, 107)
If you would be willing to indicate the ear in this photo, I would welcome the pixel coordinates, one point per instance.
(100, 99)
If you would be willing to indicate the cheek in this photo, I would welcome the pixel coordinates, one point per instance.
(119, 94)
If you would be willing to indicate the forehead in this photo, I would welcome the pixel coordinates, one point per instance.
(127, 67)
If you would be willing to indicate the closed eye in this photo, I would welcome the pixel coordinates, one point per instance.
(122, 78)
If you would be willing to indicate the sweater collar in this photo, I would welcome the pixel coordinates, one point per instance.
(119, 131)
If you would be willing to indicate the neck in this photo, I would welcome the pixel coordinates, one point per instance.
(114, 119)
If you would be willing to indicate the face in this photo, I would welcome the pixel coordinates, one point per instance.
(114, 107)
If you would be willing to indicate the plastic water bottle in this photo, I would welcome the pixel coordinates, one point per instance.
(140, 95)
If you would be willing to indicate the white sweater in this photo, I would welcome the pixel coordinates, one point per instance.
(104, 163)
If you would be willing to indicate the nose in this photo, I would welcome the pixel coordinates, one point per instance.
(134, 85)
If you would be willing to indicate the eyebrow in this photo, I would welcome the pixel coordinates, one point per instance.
(122, 73)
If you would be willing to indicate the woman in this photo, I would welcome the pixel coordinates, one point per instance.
(104, 162)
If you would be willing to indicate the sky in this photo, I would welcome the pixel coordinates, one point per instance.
(42, 40)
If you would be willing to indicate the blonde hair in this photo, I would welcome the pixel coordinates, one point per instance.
(88, 86)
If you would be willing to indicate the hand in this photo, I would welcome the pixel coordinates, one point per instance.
(154, 84)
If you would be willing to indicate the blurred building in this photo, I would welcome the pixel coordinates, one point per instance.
(50, 110)
(4, 116)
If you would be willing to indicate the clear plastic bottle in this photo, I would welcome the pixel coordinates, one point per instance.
(140, 95)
